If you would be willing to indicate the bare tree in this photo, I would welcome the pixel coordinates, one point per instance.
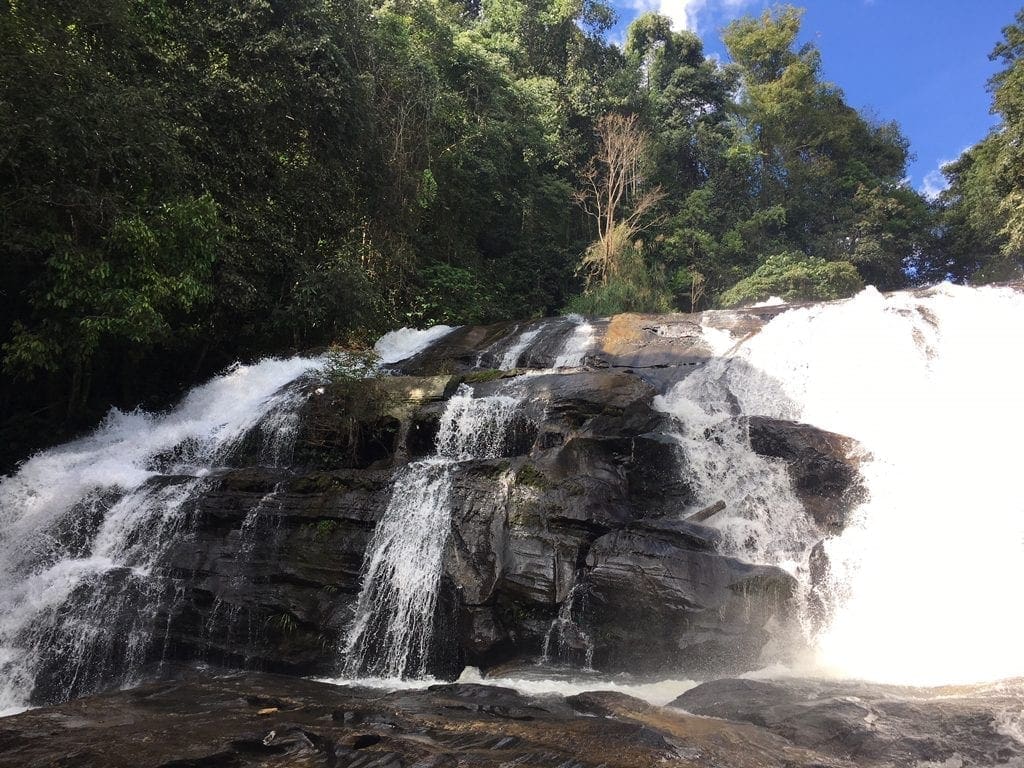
(615, 194)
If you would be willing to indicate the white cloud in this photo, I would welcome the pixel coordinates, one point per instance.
(691, 14)
(934, 183)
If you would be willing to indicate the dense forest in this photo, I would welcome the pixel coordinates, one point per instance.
(184, 183)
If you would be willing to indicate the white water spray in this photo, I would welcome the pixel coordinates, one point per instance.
(402, 344)
(511, 357)
(927, 577)
(83, 527)
(577, 344)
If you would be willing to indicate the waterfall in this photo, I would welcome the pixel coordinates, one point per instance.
(925, 579)
(511, 357)
(566, 640)
(764, 521)
(578, 342)
(83, 527)
(391, 631)
(402, 344)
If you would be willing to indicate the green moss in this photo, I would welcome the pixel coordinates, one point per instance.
(480, 377)
(317, 483)
(573, 488)
(530, 476)
(284, 623)
(525, 515)
(325, 528)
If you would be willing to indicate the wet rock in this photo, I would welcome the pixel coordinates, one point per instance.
(266, 576)
(875, 724)
(459, 351)
(225, 721)
(363, 423)
(823, 466)
(696, 611)
(582, 505)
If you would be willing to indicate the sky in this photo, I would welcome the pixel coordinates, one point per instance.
(922, 63)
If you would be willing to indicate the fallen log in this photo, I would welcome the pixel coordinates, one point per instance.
(704, 514)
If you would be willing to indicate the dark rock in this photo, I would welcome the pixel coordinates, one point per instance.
(363, 424)
(574, 527)
(698, 612)
(823, 466)
(223, 721)
(461, 350)
(875, 724)
(268, 572)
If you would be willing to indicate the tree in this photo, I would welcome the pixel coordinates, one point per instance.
(615, 195)
(981, 234)
(836, 176)
(1008, 102)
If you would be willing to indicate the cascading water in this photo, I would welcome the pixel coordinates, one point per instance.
(522, 342)
(390, 634)
(83, 527)
(925, 580)
(578, 342)
(764, 520)
(402, 344)
(566, 640)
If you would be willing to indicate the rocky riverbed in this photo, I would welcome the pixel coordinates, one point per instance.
(247, 719)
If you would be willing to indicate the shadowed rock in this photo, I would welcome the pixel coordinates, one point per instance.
(265, 720)
(875, 724)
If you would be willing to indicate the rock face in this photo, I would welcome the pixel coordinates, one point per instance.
(698, 611)
(250, 719)
(265, 720)
(567, 548)
(823, 466)
(874, 724)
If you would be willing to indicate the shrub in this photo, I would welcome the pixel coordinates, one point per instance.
(794, 276)
(636, 288)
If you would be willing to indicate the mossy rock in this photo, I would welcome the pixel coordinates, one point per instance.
(532, 477)
(480, 377)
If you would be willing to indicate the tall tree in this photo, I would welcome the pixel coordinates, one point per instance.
(981, 237)
(616, 194)
(836, 176)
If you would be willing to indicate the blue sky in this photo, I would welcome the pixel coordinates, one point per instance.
(923, 63)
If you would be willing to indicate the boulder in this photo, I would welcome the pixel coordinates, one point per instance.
(663, 600)
(245, 720)
(875, 724)
(823, 465)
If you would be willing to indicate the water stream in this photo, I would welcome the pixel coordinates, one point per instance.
(391, 632)
(83, 528)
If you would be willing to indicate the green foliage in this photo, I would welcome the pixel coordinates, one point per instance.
(636, 288)
(982, 212)
(449, 295)
(836, 175)
(795, 276)
(186, 184)
(325, 529)
(145, 273)
(356, 389)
